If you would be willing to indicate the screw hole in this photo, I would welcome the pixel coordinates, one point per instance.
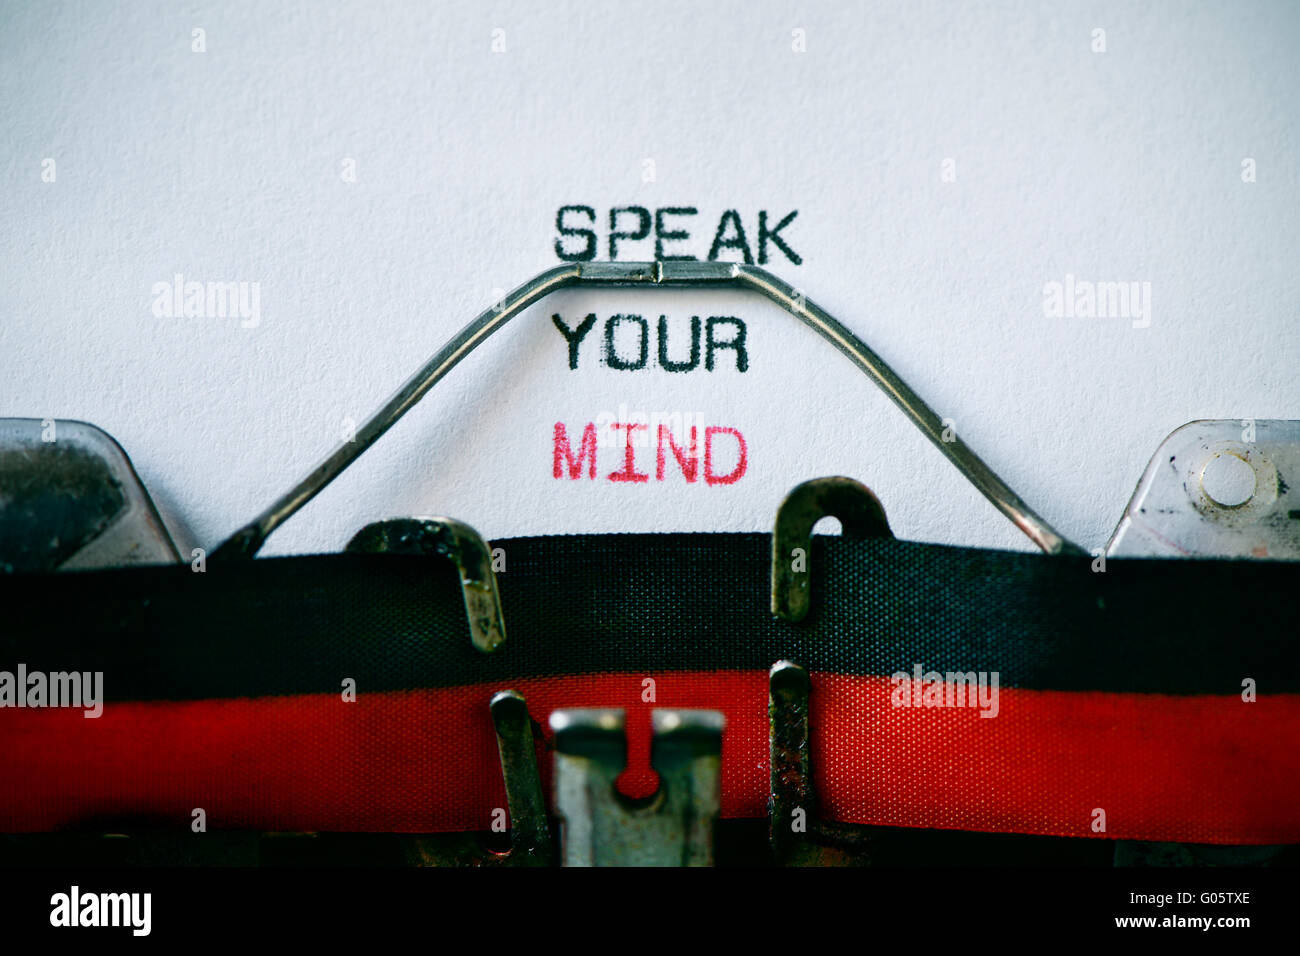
(1228, 480)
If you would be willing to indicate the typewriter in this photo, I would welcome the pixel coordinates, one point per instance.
(430, 698)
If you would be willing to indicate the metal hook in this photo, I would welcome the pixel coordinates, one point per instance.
(861, 516)
(448, 538)
(250, 538)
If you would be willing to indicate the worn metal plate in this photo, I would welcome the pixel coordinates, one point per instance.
(1217, 489)
(69, 499)
(674, 827)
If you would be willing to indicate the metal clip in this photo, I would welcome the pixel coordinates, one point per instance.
(448, 538)
(674, 827)
(860, 513)
(798, 836)
(530, 833)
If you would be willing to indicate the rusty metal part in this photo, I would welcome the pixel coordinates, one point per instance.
(530, 833)
(246, 541)
(674, 827)
(70, 500)
(1217, 489)
(457, 541)
(799, 837)
(531, 844)
(860, 514)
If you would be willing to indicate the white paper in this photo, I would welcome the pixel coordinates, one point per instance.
(228, 165)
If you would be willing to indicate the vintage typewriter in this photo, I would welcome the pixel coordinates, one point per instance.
(431, 698)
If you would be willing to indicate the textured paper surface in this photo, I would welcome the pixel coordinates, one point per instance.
(227, 165)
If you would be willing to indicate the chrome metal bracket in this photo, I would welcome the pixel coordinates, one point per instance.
(674, 827)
